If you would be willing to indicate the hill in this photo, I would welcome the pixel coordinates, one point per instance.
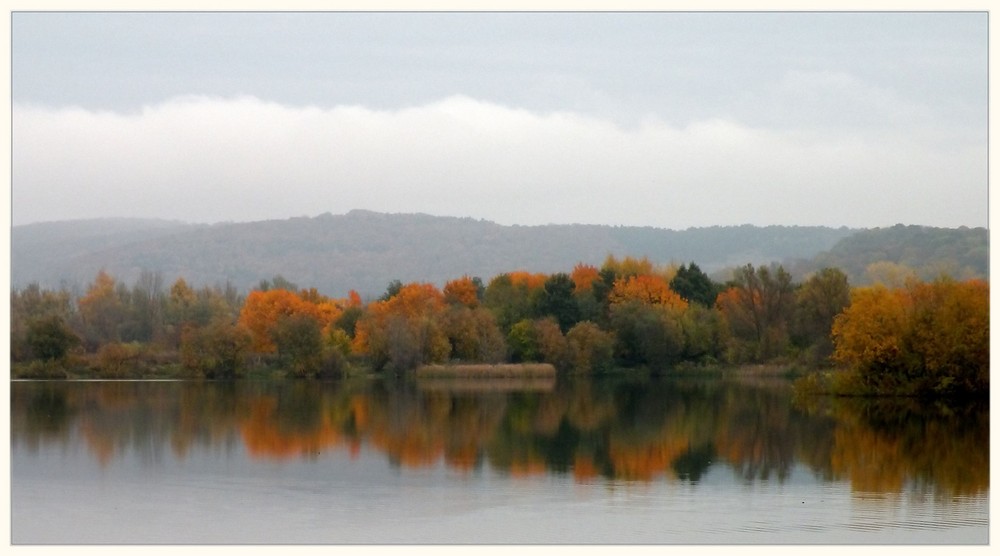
(927, 252)
(365, 250)
(47, 252)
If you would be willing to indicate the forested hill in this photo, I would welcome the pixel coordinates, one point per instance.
(886, 253)
(364, 250)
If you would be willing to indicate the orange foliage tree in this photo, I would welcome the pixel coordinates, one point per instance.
(532, 281)
(648, 290)
(404, 330)
(263, 310)
(462, 291)
(584, 276)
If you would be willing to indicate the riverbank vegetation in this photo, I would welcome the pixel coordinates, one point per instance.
(918, 338)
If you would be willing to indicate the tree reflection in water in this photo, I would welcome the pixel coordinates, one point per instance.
(592, 428)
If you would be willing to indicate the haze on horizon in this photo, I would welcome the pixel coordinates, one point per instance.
(663, 119)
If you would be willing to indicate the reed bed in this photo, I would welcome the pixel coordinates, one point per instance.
(453, 384)
(486, 370)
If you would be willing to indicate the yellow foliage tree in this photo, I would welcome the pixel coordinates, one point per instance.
(925, 338)
(101, 309)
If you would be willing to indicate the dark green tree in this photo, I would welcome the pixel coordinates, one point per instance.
(391, 290)
(279, 282)
(817, 301)
(509, 302)
(30, 304)
(694, 285)
(556, 300)
(349, 319)
(49, 338)
(646, 335)
(299, 340)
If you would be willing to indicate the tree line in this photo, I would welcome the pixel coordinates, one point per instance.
(920, 337)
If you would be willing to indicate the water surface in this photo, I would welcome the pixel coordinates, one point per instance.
(609, 461)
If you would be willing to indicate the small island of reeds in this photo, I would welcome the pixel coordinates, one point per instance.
(487, 370)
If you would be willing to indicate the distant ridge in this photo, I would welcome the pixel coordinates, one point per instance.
(365, 250)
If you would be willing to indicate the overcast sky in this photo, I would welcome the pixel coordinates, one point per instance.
(670, 120)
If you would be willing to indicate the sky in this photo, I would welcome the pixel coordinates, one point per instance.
(665, 119)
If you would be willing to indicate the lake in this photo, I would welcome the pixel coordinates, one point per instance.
(612, 460)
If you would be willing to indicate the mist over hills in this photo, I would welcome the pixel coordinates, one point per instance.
(365, 250)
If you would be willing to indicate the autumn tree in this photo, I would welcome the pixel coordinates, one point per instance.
(263, 310)
(817, 301)
(299, 343)
(628, 266)
(186, 306)
(511, 297)
(217, 350)
(756, 310)
(523, 341)
(646, 334)
(552, 346)
(144, 309)
(50, 338)
(463, 291)
(531, 281)
(702, 331)
(646, 289)
(538, 340)
(118, 359)
(588, 291)
(924, 338)
(645, 316)
(101, 311)
(405, 330)
(584, 276)
(474, 335)
(950, 335)
(31, 305)
(588, 348)
(889, 274)
(181, 303)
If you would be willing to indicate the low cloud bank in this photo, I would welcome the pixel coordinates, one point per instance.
(205, 159)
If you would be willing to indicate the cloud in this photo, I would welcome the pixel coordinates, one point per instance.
(213, 159)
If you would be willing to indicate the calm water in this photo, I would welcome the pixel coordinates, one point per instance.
(662, 461)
